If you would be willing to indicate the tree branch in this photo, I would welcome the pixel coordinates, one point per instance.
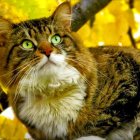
(85, 10)
(130, 34)
(131, 4)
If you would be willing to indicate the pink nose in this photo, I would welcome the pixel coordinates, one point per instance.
(48, 51)
(45, 47)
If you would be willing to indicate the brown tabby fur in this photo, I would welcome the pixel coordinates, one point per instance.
(111, 76)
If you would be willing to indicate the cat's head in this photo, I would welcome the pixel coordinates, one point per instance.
(43, 47)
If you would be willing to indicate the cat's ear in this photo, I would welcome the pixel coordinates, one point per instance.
(62, 15)
(5, 29)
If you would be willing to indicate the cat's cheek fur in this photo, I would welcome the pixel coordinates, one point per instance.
(63, 107)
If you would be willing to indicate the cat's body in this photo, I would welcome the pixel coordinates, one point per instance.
(62, 90)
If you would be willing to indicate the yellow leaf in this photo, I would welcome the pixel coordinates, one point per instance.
(11, 129)
(137, 5)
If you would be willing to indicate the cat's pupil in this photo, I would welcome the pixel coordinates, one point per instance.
(56, 38)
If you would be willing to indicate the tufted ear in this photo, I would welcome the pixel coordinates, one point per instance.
(5, 28)
(62, 15)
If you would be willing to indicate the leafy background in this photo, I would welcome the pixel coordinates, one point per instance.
(110, 28)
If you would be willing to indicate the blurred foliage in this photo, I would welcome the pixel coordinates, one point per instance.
(112, 23)
(11, 129)
(109, 28)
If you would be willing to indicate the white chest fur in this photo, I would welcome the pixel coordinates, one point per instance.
(48, 114)
(52, 116)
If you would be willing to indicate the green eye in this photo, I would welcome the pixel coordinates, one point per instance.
(27, 44)
(55, 39)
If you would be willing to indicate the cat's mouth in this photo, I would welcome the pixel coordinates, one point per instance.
(45, 63)
(50, 62)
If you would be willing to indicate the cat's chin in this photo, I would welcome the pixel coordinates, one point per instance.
(48, 65)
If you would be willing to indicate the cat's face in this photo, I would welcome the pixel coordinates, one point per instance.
(43, 48)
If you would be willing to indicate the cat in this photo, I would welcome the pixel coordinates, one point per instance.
(61, 90)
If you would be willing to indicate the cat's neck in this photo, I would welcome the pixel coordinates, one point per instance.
(61, 102)
(63, 108)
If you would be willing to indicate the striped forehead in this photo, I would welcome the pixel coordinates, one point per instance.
(32, 28)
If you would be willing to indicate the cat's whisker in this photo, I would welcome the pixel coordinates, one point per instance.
(14, 77)
(73, 57)
(19, 67)
(33, 86)
(28, 90)
(27, 73)
(85, 79)
(17, 93)
(78, 61)
(13, 80)
(70, 67)
(89, 83)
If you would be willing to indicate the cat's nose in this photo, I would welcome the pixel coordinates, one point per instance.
(45, 48)
(48, 51)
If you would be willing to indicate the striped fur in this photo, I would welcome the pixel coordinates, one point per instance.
(74, 92)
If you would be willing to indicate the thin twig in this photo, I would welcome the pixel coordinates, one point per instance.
(130, 34)
(131, 38)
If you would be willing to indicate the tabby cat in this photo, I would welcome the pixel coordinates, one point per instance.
(62, 90)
